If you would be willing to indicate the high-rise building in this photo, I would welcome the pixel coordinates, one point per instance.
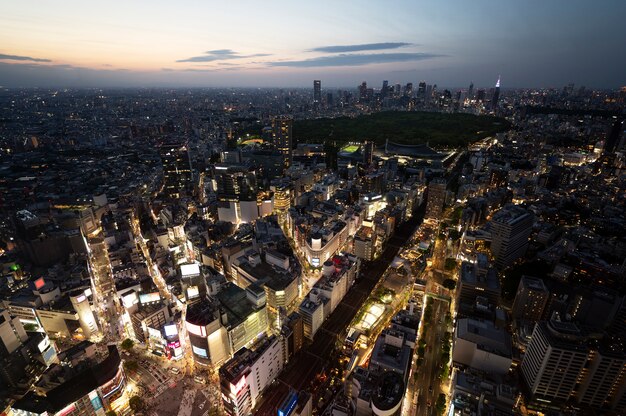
(421, 89)
(470, 90)
(385, 89)
(511, 228)
(282, 137)
(363, 92)
(177, 173)
(436, 198)
(317, 92)
(613, 138)
(408, 89)
(496, 96)
(12, 333)
(603, 384)
(554, 360)
(248, 373)
(530, 299)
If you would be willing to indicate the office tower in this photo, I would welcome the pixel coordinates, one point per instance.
(613, 138)
(408, 89)
(363, 92)
(470, 90)
(317, 92)
(436, 198)
(511, 228)
(244, 378)
(368, 152)
(480, 95)
(282, 137)
(12, 334)
(530, 299)
(603, 384)
(396, 90)
(421, 89)
(385, 89)
(554, 360)
(496, 96)
(329, 99)
(177, 174)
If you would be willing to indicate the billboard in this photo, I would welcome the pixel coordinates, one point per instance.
(130, 299)
(170, 330)
(149, 297)
(39, 283)
(196, 329)
(193, 292)
(199, 351)
(189, 269)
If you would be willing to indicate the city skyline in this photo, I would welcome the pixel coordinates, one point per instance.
(288, 45)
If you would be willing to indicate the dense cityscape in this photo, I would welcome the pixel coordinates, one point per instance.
(189, 252)
(354, 208)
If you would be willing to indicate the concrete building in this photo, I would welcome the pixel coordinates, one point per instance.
(510, 229)
(554, 360)
(436, 198)
(530, 299)
(478, 279)
(282, 137)
(480, 345)
(92, 391)
(177, 173)
(244, 377)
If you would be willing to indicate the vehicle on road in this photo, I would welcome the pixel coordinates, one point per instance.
(430, 390)
(175, 370)
(199, 379)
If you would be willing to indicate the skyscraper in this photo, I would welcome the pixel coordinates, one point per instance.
(613, 138)
(511, 228)
(496, 96)
(554, 360)
(363, 92)
(421, 88)
(530, 299)
(470, 90)
(282, 137)
(177, 174)
(408, 89)
(436, 198)
(317, 92)
(385, 89)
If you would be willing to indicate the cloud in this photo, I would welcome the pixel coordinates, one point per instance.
(362, 47)
(220, 55)
(355, 59)
(22, 58)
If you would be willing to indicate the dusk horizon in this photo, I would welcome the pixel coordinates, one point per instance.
(283, 44)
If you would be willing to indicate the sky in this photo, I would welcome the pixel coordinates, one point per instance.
(242, 43)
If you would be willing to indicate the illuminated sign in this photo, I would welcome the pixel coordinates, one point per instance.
(170, 330)
(192, 292)
(66, 411)
(173, 345)
(44, 344)
(196, 330)
(130, 300)
(189, 269)
(149, 297)
(88, 292)
(288, 405)
(81, 298)
(199, 351)
(315, 262)
(236, 388)
(39, 283)
(114, 385)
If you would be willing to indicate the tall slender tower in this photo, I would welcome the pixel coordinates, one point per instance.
(496, 96)
(470, 90)
(317, 92)
(282, 138)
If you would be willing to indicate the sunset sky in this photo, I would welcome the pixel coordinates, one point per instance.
(290, 43)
